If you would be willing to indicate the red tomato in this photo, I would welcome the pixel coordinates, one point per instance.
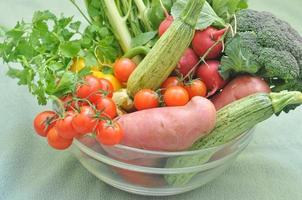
(196, 88)
(123, 68)
(171, 81)
(65, 128)
(44, 121)
(146, 99)
(89, 87)
(109, 134)
(176, 96)
(84, 122)
(56, 141)
(107, 107)
(106, 87)
(70, 104)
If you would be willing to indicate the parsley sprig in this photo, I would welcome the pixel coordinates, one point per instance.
(39, 53)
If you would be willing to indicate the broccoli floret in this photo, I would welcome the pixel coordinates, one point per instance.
(281, 64)
(270, 42)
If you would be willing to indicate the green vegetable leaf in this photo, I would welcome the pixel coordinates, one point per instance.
(243, 4)
(155, 13)
(227, 8)
(239, 59)
(70, 49)
(89, 58)
(84, 72)
(66, 84)
(75, 26)
(43, 16)
(207, 16)
(143, 39)
(44, 50)
(22, 75)
(107, 70)
(2, 31)
(17, 31)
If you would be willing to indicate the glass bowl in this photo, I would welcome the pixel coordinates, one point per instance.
(150, 172)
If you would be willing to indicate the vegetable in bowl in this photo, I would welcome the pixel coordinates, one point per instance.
(137, 76)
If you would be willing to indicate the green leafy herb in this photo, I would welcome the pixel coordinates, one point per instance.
(207, 16)
(45, 48)
(2, 31)
(143, 39)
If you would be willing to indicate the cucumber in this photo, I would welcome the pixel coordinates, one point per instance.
(164, 56)
(232, 121)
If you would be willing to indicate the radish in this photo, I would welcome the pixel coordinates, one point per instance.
(208, 73)
(163, 27)
(203, 40)
(187, 61)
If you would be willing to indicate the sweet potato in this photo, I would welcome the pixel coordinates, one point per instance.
(239, 88)
(169, 128)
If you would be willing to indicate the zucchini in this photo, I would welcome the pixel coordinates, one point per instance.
(232, 121)
(163, 57)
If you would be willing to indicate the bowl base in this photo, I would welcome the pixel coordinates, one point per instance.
(166, 191)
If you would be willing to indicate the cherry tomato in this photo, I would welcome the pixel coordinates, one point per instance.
(56, 141)
(64, 126)
(171, 81)
(123, 68)
(84, 122)
(106, 87)
(196, 88)
(146, 99)
(109, 77)
(70, 104)
(77, 65)
(107, 107)
(44, 121)
(89, 88)
(176, 96)
(109, 134)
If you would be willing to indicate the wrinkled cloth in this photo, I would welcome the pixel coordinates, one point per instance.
(269, 169)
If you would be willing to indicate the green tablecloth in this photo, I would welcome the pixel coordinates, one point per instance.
(270, 168)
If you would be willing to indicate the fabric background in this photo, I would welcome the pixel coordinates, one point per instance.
(270, 168)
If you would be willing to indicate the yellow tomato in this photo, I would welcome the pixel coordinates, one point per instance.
(115, 83)
(77, 65)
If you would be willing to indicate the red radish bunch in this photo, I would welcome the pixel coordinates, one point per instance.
(163, 27)
(91, 110)
(208, 73)
(187, 61)
(204, 40)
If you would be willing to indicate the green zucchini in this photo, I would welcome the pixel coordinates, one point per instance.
(163, 57)
(232, 121)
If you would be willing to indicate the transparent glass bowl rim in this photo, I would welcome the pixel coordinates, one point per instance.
(242, 137)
